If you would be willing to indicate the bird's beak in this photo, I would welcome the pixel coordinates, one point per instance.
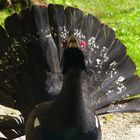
(72, 42)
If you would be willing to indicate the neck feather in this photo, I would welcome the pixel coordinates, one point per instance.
(72, 84)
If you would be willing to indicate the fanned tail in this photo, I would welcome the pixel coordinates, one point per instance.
(12, 134)
(31, 47)
(110, 72)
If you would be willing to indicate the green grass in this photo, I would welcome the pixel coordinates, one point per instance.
(6, 12)
(121, 15)
(3, 14)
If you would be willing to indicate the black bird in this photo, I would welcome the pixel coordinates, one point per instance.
(41, 48)
(68, 117)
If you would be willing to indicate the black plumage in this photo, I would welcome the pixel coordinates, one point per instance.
(35, 51)
(68, 117)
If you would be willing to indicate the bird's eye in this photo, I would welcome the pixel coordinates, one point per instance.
(83, 44)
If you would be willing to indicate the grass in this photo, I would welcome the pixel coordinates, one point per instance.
(3, 14)
(6, 12)
(121, 15)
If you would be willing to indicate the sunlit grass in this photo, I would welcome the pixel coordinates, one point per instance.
(8, 11)
(3, 14)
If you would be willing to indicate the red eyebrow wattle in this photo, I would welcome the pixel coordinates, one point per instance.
(83, 44)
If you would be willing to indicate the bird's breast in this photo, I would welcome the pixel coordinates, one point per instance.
(71, 133)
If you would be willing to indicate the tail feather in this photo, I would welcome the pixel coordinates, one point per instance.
(17, 26)
(4, 41)
(115, 80)
(126, 67)
(90, 28)
(11, 122)
(8, 82)
(6, 98)
(124, 89)
(57, 22)
(11, 134)
(74, 17)
(116, 53)
(122, 72)
(97, 53)
(45, 38)
(126, 106)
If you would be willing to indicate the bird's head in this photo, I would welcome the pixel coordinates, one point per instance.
(73, 57)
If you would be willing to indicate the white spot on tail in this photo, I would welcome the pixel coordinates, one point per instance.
(19, 119)
(121, 78)
(20, 138)
(2, 135)
(36, 123)
(63, 32)
(91, 41)
(96, 122)
(15, 132)
(98, 61)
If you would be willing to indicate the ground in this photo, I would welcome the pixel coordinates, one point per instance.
(119, 126)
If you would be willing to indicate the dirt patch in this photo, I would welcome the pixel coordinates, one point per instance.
(119, 126)
(8, 111)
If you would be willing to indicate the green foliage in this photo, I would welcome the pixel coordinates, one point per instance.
(8, 11)
(3, 14)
